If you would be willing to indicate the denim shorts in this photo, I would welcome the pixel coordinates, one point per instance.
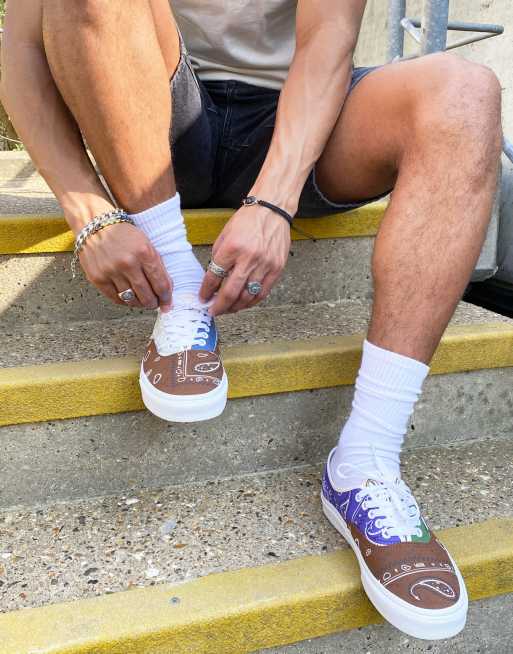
(220, 135)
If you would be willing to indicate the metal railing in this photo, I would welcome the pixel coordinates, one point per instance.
(430, 33)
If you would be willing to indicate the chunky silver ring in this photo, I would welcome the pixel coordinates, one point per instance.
(254, 288)
(127, 296)
(218, 271)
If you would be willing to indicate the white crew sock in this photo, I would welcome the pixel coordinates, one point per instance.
(165, 228)
(387, 387)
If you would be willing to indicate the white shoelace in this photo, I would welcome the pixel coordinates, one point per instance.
(187, 324)
(390, 500)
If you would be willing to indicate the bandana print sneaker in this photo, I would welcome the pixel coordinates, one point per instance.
(406, 572)
(182, 377)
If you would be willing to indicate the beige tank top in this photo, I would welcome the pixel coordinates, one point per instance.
(248, 40)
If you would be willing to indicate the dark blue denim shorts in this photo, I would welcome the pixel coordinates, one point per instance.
(220, 135)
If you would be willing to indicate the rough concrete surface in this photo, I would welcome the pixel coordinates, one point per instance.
(74, 341)
(65, 551)
(128, 336)
(90, 456)
(489, 630)
(39, 288)
(22, 189)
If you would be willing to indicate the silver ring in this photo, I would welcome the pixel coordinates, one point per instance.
(254, 288)
(127, 296)
(218, 271)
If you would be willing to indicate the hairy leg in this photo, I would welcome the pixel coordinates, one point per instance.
(437, 137)
(111, 60)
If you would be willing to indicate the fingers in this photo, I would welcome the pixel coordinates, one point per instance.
(160, 282)
(143, 291)
(110, 291)
(123, 284)
(245, 298)
(268, 284)
(212, 283)
(230, 290)
(268, 280)
(210, 286)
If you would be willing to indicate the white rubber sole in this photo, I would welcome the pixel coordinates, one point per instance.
(184, 408)
(428, 624)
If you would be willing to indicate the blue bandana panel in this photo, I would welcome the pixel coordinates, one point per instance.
(211, 338)
(352, 511)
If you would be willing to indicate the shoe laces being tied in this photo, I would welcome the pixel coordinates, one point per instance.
(185, 326)
(389, 501)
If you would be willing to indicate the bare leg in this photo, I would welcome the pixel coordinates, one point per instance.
(437, 136)
(112, 67)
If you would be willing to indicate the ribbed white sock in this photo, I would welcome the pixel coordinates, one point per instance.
(165, 228)
(387, 387)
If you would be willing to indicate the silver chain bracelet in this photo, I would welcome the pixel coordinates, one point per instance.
(98, 223)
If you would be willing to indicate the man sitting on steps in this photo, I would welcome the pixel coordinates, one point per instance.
(266, 104)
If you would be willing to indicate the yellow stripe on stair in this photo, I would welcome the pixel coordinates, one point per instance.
(245, 610)
(92, 387)
(30, 234)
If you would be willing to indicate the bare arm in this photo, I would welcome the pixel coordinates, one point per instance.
(117, 257)
(256, 247)
(42, 120)
(312, 96)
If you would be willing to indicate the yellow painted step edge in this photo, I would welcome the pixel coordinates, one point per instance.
(245, 610)
(30, 234)
(84, 388)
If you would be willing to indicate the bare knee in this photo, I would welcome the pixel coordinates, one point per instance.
(80, 13)
(460, 101)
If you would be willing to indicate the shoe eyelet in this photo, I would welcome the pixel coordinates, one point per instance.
(364, 505)
(357, 497)
(378, 523)
(371, 514)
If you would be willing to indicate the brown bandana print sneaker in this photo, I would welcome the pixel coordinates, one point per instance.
(182, 377)
(406, 571)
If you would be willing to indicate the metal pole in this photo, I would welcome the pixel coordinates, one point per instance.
(396, 12)
(435, 16)
(508, 149)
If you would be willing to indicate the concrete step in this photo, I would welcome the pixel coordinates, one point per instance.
(291, 371)
(90, 550)
(39, 288)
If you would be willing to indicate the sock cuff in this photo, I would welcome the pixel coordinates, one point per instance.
(158, 217)
(392, 369)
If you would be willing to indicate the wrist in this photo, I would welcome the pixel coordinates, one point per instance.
(282, 198)
(80, 210)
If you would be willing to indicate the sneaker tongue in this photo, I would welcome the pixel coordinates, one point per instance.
(378, 482)
(185, 299)
(189, 300)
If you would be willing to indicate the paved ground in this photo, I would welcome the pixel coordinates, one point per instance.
(489, 630)
(68, 551)
(44, 343)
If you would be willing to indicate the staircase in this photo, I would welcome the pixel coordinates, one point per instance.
(113, 523)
